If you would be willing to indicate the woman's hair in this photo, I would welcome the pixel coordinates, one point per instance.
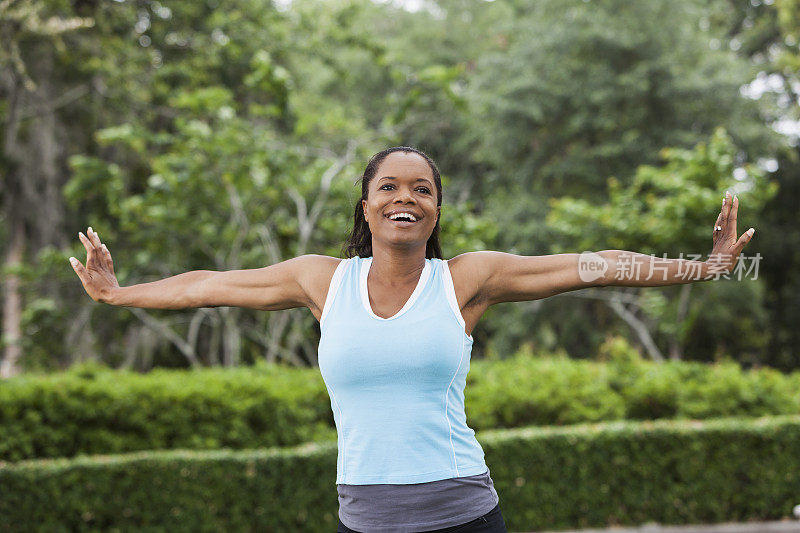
(359, 242)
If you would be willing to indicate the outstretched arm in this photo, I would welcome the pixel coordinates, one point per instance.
(631, 269)
(503, 277)
(284, 285)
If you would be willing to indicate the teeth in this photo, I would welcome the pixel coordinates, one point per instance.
(403, 215)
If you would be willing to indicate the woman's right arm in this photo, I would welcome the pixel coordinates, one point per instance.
(283, 285)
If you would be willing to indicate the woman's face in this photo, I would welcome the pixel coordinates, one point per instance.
(403, 183)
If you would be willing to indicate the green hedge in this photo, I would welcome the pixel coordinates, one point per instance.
(526, 390)
(89, 410)
(616, 473)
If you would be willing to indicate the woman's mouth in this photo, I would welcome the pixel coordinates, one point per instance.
(403, 220)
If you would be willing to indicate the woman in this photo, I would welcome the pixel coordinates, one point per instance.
(396, 322)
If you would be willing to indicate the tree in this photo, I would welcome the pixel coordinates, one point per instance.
(668, 211)
(227, 138)
(767, 35)
(579, 91)
(33, 89)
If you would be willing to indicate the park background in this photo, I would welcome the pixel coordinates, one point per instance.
(216, 135)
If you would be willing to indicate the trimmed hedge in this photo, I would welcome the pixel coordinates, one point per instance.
(525, 390)
(90, 410)
(616, 473)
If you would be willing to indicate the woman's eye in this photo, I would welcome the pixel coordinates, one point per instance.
(424, 189)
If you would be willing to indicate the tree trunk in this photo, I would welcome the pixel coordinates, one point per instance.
(639, 328)
(675, 341)
(616, 301)
(12, 306)
(31, 186)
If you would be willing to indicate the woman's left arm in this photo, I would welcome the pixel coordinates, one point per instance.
(503, 277)
(631, 269)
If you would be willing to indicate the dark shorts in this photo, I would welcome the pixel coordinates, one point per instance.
(491, 522)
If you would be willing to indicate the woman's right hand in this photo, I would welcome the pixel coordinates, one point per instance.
(97, 276)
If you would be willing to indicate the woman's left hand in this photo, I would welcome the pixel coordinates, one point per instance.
(726, 247)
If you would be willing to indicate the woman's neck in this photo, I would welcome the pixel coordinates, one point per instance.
(397, 267)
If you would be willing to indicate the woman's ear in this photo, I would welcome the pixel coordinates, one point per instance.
(364, 208)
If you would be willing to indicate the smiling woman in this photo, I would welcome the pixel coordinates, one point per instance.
(404, 170)
(407, 460)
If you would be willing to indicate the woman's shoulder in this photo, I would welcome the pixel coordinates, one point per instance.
(316, 265)
(469, 272)
(474, 261)
(316, 273)
(317, 260)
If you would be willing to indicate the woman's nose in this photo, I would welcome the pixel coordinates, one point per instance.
(404, 196)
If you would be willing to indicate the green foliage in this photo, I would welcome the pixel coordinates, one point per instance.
(617, 350)
(90, 409)
(520, 390)
(739, 306)
(766, 33)
(600, 475)
(624, 473)
(464, 231)
(599, 89)
(195, 133)
(231, 169)
(668, 209)
(265, 490)
(566, 95)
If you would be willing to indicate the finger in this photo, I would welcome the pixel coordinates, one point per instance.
(718, 222)
(726, 209)
(94, 237)
(102, 256)
(107, 257)
(744, 239)
(110, 261)
(732, 216)
(77, 267)
(86, 242)
(102, 252)
(722, 217)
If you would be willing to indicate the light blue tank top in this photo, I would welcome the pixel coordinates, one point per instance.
(397, 384)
